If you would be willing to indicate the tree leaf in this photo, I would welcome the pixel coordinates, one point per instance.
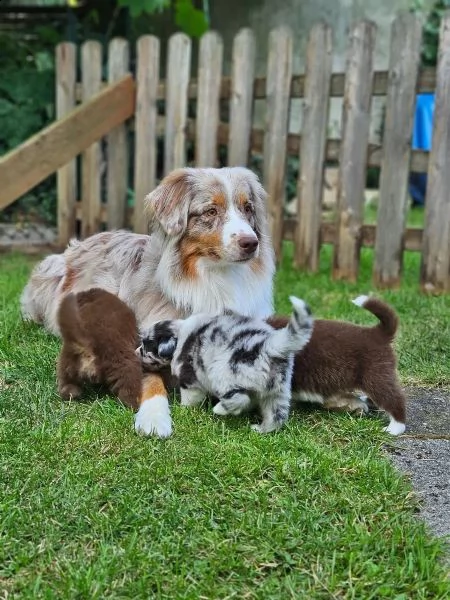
(191, 20)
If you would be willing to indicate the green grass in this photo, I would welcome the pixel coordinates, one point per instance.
(89, 510)
(415, 216)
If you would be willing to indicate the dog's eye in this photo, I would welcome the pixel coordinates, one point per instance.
(248, 208)
(211, 212)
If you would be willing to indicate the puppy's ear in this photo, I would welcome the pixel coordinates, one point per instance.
(168, 204)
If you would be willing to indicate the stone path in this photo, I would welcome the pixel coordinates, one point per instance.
(423, 453)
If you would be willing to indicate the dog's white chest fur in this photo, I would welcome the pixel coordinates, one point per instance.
(234, 287)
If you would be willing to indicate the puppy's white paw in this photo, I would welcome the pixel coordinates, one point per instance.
(219, 409)
(153, 418)
(257, 428)
(395, 427)
(264, 428)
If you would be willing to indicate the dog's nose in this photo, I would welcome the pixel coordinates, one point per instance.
(248, 243)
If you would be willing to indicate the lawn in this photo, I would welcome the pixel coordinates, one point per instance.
(90, 510)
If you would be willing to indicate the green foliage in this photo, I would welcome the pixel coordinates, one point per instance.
(430, 40)
(26, 104)
(191, 20)
(139, 7)
(27, 97)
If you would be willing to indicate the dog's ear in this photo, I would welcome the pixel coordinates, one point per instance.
(258, 197)
(169, 203)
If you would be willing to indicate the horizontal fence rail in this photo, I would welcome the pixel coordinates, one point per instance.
(191, 117)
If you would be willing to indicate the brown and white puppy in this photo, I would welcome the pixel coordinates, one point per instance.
(342, 358)
(209, 251)
(99, 334)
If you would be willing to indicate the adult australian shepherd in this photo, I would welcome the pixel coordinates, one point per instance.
(208, 250)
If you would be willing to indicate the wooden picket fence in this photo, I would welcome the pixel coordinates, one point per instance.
(92, 109)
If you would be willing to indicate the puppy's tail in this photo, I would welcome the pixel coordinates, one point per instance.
(297, 332)
(388, 324)
(70, 324)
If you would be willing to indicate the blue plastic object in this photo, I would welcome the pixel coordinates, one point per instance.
(422, 139)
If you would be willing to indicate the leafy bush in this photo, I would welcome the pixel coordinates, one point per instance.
(430, 40)
(27, 104)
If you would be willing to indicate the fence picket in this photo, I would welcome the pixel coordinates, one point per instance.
(91, 63)
(209, 79)
(313, 144)
(241, 98)
(279, 73)
(435, 270)
(117, 149)
(145, 126)
(178, 73)
(353, 150)
(393, 202)
(66, 70)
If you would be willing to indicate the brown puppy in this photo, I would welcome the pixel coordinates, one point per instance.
(342, 358)
(100, 336)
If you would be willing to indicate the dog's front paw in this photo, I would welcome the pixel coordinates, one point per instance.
(257, 428)
(219, 409)
(69, 391)
(153, 418)
(265, 427)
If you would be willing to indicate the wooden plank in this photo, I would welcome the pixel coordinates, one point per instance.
(209, 74)
(241, 99)
(145, 154)
(91, 69)
(313, 144)
(66, 178)
(279, 73)
(41, 155)
(353, 150)
(117, 148)
(413, 236)
(419, 161)
(178, 71)
(406, 36)
(435, 269)
(426, 84)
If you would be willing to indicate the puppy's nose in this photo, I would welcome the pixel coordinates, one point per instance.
(248, 243)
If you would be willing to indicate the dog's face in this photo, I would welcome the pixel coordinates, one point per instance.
(217, 215)
(158, 345)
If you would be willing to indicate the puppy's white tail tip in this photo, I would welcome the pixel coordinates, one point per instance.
(360, 300)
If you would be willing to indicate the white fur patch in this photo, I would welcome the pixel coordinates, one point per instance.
(219, 409)
(153, 417)
(298, 304)
(192, 397)
(235, 225)
(307, 397)
(360, 300)
(395, 427)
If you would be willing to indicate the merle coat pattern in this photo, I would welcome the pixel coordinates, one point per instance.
(239, 360)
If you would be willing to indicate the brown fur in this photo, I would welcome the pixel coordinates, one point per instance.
(99, 335)
(342, 358)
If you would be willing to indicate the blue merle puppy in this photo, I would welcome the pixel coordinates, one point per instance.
(241, 361)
